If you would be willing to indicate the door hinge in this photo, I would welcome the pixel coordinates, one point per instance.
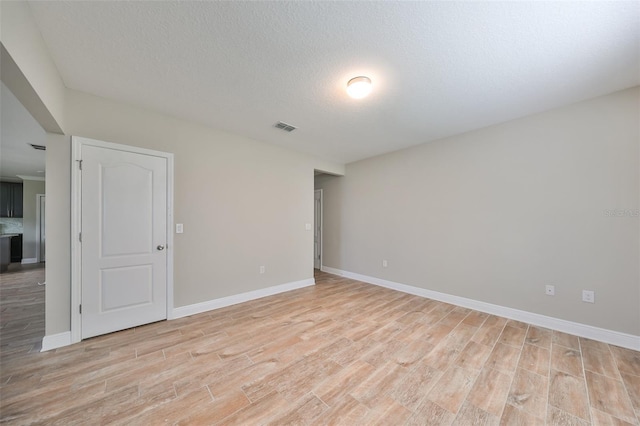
(80, 309)
(79, 164)
(80, 236)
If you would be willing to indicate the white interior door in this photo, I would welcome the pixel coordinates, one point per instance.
(317, 229)
(124, 236)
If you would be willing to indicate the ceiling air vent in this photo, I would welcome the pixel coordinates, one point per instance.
(38, 147)
(284, 126)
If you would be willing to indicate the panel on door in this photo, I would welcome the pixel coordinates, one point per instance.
(124, 225)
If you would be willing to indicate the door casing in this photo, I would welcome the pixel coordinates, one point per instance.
(318, 224)
(76, 201)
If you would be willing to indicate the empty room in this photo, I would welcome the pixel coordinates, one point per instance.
(321, 213)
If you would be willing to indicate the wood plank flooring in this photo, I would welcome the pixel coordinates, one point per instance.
(21, 310)
(341, 352)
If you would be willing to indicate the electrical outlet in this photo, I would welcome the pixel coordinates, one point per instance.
(588, 296)
(384, 263)
(550, 290)
(262, 269)
(179, 228)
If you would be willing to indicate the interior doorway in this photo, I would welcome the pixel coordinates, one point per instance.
(23, 166)
(317, 229)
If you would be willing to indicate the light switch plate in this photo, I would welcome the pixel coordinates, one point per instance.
(179, 228)
(307, 226)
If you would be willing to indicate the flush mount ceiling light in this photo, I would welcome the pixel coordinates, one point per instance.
(359, 87)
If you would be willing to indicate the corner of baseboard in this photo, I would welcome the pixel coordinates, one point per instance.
(330, 270)
(55, 341)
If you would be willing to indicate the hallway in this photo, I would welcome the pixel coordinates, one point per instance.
(21, 311)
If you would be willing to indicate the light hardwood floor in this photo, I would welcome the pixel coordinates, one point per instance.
(341, 352)
(21, 310)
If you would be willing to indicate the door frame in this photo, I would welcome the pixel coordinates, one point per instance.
(76, 216)
(39, 220)
(321, 232)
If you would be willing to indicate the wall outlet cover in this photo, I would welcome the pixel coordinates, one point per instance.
(588, 296)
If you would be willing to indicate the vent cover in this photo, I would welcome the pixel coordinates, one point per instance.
(38, 147)
(284, 126)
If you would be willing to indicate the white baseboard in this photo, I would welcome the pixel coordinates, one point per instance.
(601, 334)
(59, 340)
(197, 308)
(55, 341)
(29, 260)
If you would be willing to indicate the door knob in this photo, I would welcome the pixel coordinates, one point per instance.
(160, 247)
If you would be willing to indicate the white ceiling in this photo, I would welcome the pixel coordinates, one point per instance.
(18, 129)
(438, 68)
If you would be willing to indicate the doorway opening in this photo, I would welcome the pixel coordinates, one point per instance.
(22, 273)
(317, 229)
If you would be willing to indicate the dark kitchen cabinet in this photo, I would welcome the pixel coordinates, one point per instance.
(4, 199)
(16, 249)
(17, 200)
(5, 253)
(10, 199)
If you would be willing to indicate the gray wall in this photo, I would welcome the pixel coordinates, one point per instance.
(243, 204)
(30, 188)
(495, 214)
(58, 222)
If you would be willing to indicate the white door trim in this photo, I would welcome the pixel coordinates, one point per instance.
(39, 198)
(76, 254)
(321, 233)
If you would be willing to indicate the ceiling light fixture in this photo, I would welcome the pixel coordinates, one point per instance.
(359, 87)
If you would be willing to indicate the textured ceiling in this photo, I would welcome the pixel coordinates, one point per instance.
(438, 68)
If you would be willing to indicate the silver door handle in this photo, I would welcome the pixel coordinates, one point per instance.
(160, 247)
